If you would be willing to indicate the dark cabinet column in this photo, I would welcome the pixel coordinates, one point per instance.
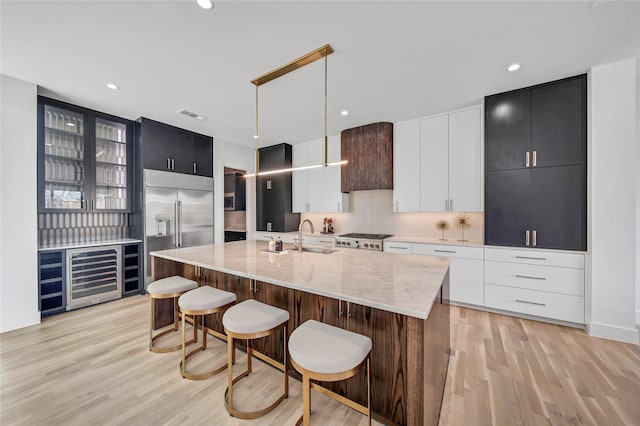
(558, 115)
(558, 205)
(202, 156)
(507, 130)
(507, 207)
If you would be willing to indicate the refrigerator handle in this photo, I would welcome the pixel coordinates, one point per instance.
(175, 224)
(179, 223)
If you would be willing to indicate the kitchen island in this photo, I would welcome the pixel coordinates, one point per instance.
(399, 301)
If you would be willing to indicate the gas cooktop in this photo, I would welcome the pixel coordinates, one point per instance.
(362, 241)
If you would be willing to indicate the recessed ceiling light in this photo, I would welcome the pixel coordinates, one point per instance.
(113, 86)
(513, 67)
(205, 4)
(344, 112)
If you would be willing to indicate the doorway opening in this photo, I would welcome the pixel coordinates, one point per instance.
(235, 205)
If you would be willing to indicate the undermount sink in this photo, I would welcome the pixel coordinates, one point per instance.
(316, 249)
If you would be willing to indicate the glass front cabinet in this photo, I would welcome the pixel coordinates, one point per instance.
(84, 159)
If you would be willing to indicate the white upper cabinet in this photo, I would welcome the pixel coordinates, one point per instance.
(465, 160)
(434, 162)
(334, 199)
(438, 163)
(317, 189)
(406, 166)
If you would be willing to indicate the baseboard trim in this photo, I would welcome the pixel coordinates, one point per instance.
(638, 319)
(19, 321)
(611, 332)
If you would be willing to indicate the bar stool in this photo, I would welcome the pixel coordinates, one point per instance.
(167, 288)
(198, 303)
(251, 320)
(329, 354)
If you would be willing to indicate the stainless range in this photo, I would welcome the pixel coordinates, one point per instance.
(362, 241)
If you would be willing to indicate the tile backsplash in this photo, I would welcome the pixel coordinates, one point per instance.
(63, 228)
(372, 212)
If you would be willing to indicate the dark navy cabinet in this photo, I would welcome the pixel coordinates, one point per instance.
(51, 282)
(273, 192)
(169, 148)
(132, 269)
(536, 165)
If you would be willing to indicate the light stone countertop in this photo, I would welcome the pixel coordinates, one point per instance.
(64, 246)
(423, 240)
(400, 283)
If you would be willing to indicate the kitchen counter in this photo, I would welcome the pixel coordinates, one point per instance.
(64, 246)
(423, 240)
(402, 284)
(398, 300)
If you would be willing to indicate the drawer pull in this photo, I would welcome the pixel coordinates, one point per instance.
(531, 258)
(445, 251)
(531, 278)
(531, 303)
(325, 241)
(396, 247)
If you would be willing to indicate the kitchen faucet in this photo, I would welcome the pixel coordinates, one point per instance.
(300, 232)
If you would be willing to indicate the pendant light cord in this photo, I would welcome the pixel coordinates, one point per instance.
(257, 136)
(326, 139)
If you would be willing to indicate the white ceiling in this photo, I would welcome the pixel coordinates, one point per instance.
(393, 60)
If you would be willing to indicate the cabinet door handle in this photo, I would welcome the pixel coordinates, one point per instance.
(451, 205)
(349, 310)
(338, 203)
(168, 163)
(535, 158)
(173, 164)
(195, 168)
(446, 205)
(535, 238)
(531, 258)
(526, 238)
(526, 159)
(531, 278)
(445, 251)
(397, 205)
(397, 247)
(531, 303)
(339, 308)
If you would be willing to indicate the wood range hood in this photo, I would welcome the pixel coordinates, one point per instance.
(368, 151)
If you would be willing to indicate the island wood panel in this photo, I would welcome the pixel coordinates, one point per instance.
(368, 151)
(279, 297)
(428, 349)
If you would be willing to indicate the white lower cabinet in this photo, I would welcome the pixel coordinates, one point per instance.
(535, 282)
(562, 307)
(466, 271)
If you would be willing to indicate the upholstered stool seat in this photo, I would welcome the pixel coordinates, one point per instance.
(251, 320)
(167, 288)
(199, 302)
(326, 353)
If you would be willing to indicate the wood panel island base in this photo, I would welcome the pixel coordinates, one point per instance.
(399, 301)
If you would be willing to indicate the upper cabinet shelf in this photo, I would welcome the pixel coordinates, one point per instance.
(171, 149)
(83, 159)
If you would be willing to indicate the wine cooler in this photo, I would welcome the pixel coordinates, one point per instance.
(93, 275)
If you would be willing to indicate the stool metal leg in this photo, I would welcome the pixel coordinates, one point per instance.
(369, 389)
(228, 395)
(306, 400)
(176, 324)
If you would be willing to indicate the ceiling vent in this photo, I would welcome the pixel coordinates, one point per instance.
(192, 115)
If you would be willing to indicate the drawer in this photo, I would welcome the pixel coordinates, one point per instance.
(535, 277)
(448, 251)
(326, 241)
(539, 303)
(536, 257)
(397, 247)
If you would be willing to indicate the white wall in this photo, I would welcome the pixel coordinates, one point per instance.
(638, 194)
(227, 154)
(372, 212)
(613, 179)
(18, 205)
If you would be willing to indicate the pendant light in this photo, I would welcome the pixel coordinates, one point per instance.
(310, 57)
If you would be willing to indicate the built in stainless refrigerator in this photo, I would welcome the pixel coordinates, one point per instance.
(178, 212)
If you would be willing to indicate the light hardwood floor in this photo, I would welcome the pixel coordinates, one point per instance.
(92, 366)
